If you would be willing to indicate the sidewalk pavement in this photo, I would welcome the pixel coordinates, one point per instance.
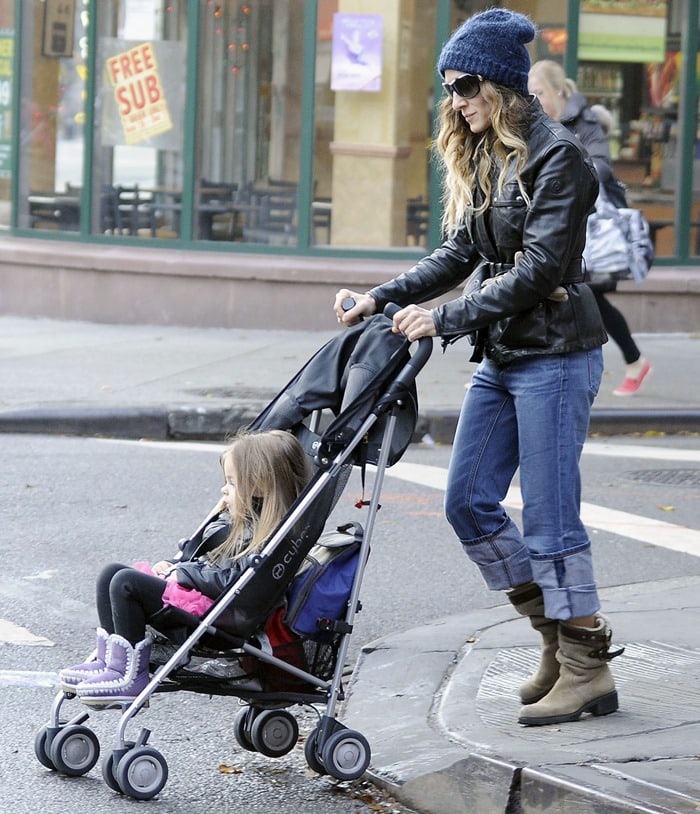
(198, 383)
(439, 706)
(438, 703)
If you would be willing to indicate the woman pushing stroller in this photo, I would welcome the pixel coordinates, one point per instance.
(264, 473)
(518, 190)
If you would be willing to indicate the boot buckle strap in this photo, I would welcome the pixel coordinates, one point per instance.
(604, 654)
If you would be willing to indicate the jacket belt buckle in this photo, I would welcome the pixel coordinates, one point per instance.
(497, 269)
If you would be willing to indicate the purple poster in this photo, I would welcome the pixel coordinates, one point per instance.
(357, 52)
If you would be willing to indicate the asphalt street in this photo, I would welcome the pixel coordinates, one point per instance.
(434, 752)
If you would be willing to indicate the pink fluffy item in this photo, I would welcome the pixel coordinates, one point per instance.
(188, 599)
(174, 594)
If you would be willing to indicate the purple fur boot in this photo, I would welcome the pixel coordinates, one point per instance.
(125, 677)
(94, 665)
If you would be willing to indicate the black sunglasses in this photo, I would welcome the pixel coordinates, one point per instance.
(466, 86)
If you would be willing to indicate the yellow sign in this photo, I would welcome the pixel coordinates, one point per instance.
(138, 92)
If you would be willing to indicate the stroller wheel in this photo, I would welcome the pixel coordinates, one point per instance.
(41, 748)
(108, 773)
(75, 750)
(142, 773)
(241, 728)
(346, 754)
(274, 732)
(311, 755)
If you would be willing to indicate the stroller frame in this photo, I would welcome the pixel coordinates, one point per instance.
(140, 771)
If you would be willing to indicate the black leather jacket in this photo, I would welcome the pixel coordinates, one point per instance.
(194, 570)
(512, 313)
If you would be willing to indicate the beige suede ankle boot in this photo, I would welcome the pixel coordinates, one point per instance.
(528, 601)
(585, 682)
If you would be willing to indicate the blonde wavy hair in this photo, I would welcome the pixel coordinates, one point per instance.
(471, 159)
(271, 470)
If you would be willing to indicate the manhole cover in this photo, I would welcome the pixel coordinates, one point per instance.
(666, 477)
(643, 675)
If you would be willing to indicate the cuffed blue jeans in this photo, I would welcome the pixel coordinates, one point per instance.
(532, 413)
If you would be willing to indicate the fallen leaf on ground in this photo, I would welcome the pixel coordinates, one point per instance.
(225, 768)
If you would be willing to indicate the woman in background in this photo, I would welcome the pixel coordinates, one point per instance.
(561, 101)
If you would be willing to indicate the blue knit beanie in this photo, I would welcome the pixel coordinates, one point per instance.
(491, 44)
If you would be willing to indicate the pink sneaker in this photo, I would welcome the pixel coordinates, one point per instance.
(630, 387)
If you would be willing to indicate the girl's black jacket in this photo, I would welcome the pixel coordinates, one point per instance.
(195, 570)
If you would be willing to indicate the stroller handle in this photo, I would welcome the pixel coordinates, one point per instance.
(425, 343)
(420, 356)
(390, 308)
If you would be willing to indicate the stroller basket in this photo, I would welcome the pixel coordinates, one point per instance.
(242, 645)
(241, 673)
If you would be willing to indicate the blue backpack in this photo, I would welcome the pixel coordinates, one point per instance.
(320, 591)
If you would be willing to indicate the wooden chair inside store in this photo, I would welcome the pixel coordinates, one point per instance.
(321, 212)
(110, 215)
(417, 218)
(42, 215)
(273, 215)
(135, 209)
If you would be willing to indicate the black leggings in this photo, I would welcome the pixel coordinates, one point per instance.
(616, 325)
(127, 599)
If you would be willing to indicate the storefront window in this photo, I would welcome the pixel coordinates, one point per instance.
(286, 123)
(138, 115)
(624, 68)
(52, 114)
(249, 121)
(139, 123)
(660, 137)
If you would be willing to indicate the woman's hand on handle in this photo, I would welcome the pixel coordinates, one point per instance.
(364, 306)
(414, 322)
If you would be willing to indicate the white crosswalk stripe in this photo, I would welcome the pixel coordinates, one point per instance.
(636, 527)
(27, 678)
(655, 532)
(14, 634)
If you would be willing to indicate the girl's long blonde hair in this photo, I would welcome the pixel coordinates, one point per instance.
(472, 159)
(271, 470)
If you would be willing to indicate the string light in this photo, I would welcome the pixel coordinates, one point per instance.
(237, 47)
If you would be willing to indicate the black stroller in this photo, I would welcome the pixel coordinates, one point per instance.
(352, 404)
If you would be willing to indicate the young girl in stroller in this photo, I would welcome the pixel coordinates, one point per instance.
(264, 474)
